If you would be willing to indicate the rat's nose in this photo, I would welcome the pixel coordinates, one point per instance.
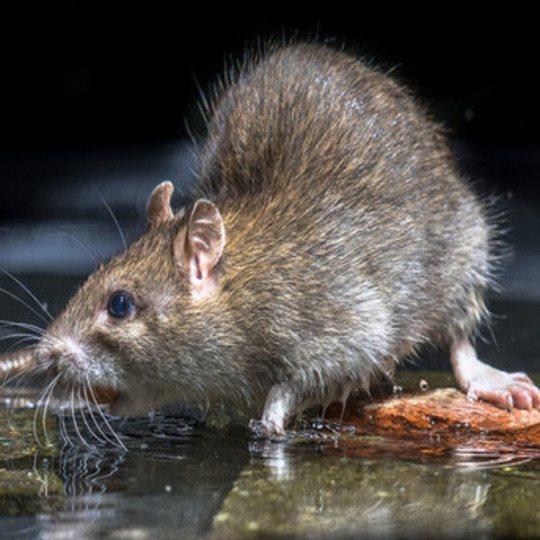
(56, 357)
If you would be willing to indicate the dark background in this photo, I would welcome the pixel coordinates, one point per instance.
(78, 73)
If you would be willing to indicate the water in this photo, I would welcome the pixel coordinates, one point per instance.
(180, 479)
(170, 481)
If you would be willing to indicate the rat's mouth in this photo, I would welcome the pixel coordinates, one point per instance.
(126, 401)
(104, 395)
(117, 402)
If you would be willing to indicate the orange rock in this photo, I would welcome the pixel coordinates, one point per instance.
(443, 415)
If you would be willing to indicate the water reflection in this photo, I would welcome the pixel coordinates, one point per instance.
(171, 480)
(179, 479)
(295, 491)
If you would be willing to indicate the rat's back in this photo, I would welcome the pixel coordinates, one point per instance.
(312, 149)
(308, 115)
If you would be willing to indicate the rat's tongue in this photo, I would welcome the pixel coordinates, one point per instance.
(103, 395)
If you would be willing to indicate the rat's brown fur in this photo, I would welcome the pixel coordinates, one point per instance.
(340, 240)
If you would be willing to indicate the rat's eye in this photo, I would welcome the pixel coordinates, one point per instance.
(120, 305)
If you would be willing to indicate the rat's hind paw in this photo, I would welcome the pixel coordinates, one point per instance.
(480, 381)
(506, 390)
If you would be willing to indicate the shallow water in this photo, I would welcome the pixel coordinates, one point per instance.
(180, 479)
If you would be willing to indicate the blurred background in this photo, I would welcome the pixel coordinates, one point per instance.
(99, 99)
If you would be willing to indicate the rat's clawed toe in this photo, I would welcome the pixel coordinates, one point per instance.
(480, 381)
(513, 393)
(525, 393)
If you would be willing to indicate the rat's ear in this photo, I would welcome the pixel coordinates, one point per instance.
(200, 246)
(159, 205)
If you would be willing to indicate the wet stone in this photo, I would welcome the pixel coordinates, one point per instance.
(28, 482)
(29, 491)
(23, 435)
(439, 414)
(423, 463)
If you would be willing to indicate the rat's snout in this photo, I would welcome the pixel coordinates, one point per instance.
(60, 356)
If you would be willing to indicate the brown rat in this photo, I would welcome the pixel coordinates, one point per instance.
(331, 237)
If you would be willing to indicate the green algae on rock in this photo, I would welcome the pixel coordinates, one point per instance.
(28, 483)
(29, 491)
(23, 434)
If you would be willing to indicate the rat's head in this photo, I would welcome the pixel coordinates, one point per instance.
(137, 326)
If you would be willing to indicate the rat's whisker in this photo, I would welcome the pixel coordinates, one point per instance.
(29, 293)
(87, 409)
(114, 218)
(63, 428)
(86, 248)
(18, 324)
(42, 405)
(25, 337)
(74, 418)
(45, 409)
(100, 436)
(28, 306)
(117, 441)
(22, 339)
(65, 411)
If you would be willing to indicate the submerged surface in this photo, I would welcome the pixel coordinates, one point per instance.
(178, 478)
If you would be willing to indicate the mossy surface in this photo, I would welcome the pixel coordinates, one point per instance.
(28, 481)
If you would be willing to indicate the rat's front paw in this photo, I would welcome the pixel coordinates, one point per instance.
(267, 429)
(281, 402)
(506, 390)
